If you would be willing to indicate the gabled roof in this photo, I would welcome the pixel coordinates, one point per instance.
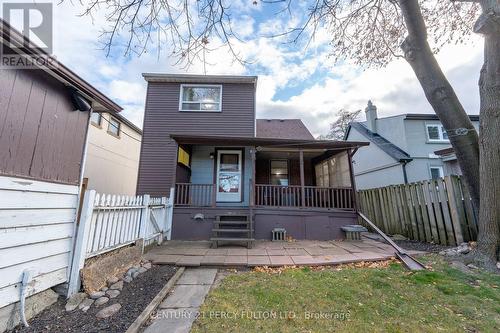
(57, 69)
(388, 147)
(282, 129)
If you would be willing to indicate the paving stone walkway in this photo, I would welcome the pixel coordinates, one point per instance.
(178, 311)
(266, 253)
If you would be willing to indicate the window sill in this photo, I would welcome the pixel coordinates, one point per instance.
(200, 111)
(438, 141)
(96, 125)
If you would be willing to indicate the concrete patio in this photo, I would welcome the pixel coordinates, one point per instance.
(266, 253)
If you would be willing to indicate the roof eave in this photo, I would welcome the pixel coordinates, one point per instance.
(57, 69)
(195, 78)
(269, 142)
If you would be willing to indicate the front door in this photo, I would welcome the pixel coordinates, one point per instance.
(228, 175)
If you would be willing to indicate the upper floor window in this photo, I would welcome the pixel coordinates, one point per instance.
(200, 98)
(96, 118)
(114, 126)
(436, 133)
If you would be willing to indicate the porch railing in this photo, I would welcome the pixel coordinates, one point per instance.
(310, 196)
(278, 196)
(203, 195)
(329, 197)
(200, 195)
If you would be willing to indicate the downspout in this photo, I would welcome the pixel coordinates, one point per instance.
(80, 194)
(405, 175)
(27, 276)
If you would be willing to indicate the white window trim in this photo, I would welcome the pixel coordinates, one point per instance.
(202, 86)
(440, 168)
(440, 131)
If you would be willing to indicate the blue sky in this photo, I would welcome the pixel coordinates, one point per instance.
(293, 82)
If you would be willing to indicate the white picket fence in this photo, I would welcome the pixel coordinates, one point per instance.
(108, 222)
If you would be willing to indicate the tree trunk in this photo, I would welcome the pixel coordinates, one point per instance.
(488, 242)
(463, 137)
(438, 91)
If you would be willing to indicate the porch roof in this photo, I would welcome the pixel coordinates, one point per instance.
(267, 142)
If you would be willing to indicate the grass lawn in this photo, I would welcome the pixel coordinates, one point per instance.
(390, 299)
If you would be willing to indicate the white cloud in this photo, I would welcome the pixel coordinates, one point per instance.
(127, 92)
(393, 89)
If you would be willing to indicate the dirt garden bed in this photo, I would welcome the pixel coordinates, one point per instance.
(133, 298)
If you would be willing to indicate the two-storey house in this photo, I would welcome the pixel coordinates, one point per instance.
(404, 148)
(235, 178)
(113, 151)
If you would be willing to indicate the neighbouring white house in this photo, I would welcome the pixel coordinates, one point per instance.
(113, 152)
(403, 148)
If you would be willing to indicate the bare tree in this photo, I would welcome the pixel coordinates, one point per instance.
(370, 32)
(339, 127)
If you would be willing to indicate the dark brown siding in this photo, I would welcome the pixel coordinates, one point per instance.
(41, 137)
(263, 172)
(162, 117)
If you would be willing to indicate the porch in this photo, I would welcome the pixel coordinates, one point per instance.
(253, 172)
(266, 253)
(305, 187)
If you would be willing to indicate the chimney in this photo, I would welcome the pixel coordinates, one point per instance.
(371, 117)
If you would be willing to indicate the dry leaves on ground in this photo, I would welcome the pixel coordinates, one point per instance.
(361, 264)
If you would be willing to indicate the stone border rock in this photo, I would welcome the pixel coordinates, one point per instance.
(144, 316)
(114, 285)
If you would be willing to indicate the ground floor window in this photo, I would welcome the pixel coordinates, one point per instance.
(279, 172)
(436, 172)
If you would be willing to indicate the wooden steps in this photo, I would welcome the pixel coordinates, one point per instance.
(232, 228)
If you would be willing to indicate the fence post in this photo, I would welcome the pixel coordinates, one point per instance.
(144, 219)
(81, 242)
(170, 213)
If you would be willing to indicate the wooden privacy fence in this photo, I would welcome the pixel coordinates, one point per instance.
(108, 222)
(438, 211)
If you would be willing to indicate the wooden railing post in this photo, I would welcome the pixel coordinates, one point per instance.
(80, 250)
(252, 180)
(302, 182)
(214, 195)
(354, 202)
